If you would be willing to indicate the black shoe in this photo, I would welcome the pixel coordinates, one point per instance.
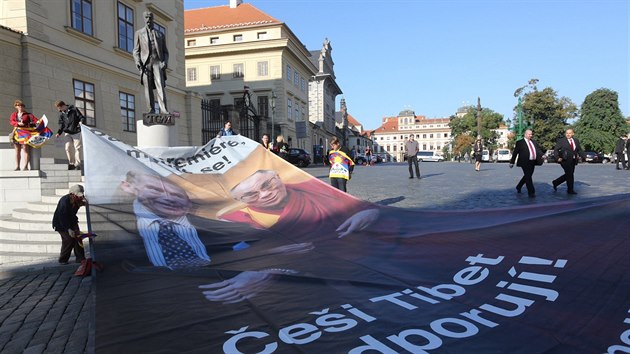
(532, 195)
(555, 186)
(411, 177)
(63, 262)
(571, 192)
(71, 167)
(518, 190)
(419, 177)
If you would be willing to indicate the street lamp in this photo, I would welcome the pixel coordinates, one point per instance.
(273, 112)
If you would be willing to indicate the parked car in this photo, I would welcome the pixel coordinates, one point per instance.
(502, 155)
(485, 156)
(596, 157)
(299, 157)
(549, 156)
(429, 156)
(361, 159)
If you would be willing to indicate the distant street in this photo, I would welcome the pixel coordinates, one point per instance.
(453, 185)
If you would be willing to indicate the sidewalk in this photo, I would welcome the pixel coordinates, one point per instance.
(44, 308)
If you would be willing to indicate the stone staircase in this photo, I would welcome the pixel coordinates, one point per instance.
(26, 234)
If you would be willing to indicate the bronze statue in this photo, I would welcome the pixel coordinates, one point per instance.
(151, 57)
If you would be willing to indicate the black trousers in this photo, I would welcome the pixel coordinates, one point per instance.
(621, 158)
(339, 183)
(68, 244)
(569, 170)
(528, 172)
(413, 159)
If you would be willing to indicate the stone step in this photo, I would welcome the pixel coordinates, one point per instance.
(12, 234)
(10, 222)
(95, 216)
(20, 259)
(23, 246)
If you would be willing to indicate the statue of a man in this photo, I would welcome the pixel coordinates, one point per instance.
(151, 57)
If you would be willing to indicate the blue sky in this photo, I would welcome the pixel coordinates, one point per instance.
(442, 54)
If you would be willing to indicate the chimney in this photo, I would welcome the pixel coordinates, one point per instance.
(235, 3)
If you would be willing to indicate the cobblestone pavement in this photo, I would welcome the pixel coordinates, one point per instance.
(46, 309)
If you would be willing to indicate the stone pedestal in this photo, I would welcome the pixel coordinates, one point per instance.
(157, 130)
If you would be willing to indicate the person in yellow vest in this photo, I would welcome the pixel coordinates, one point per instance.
(341, 165)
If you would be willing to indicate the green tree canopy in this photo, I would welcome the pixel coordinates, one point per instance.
(547, 115)
(601, 122)
(467, 125)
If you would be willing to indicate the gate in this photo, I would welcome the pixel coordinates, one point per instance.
(212, 117)
(249, 121)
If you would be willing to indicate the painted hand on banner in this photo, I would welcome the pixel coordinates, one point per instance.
(241, 287)
(357, 222)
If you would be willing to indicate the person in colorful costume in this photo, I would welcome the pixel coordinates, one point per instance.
(28, 132)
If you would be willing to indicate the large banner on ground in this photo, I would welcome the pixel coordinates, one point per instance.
(227, 248)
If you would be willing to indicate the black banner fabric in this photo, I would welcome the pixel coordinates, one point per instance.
(280, 262)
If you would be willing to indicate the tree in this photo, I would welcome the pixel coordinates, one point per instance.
(467, 126)
(601, 122)
(546, 114)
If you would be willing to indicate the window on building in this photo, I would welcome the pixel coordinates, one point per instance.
(297, 111)
(304, 112)
(263, 68)
(261, 35)
(446, 135)
(387, 148)
(215, 72)
(289, 73)
(263, 106)
(191, 42)
(191, 74)
(431, 136)
(302, 84)
(127, 111)
(158, 27)
(424, 146)
(84, 100)
(239, 102)
(296, 78)
(395, 148)
(238, 70)
(125, 27)
(82, 16)
(238, 38)
(214, 40)
(402, 137)
(289, 108)
(424, 136)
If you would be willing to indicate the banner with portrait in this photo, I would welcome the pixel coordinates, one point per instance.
(226, 248)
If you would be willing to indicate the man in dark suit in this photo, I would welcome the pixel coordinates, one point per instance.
(620, 151)
(151, 57)
(527, 151)
(569, 151)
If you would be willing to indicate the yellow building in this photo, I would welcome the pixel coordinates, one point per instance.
(230, 47)
(80, 52)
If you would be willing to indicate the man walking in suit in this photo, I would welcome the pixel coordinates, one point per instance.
(527, 151)
(568, 150)
(151, 57)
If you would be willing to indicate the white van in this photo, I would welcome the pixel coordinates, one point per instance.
(485, 156)
(502, 155)
(431, 156)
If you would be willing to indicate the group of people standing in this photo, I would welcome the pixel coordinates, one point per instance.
(528, 154)
(70, 121)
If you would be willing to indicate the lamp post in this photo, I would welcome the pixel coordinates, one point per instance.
(273, 112)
